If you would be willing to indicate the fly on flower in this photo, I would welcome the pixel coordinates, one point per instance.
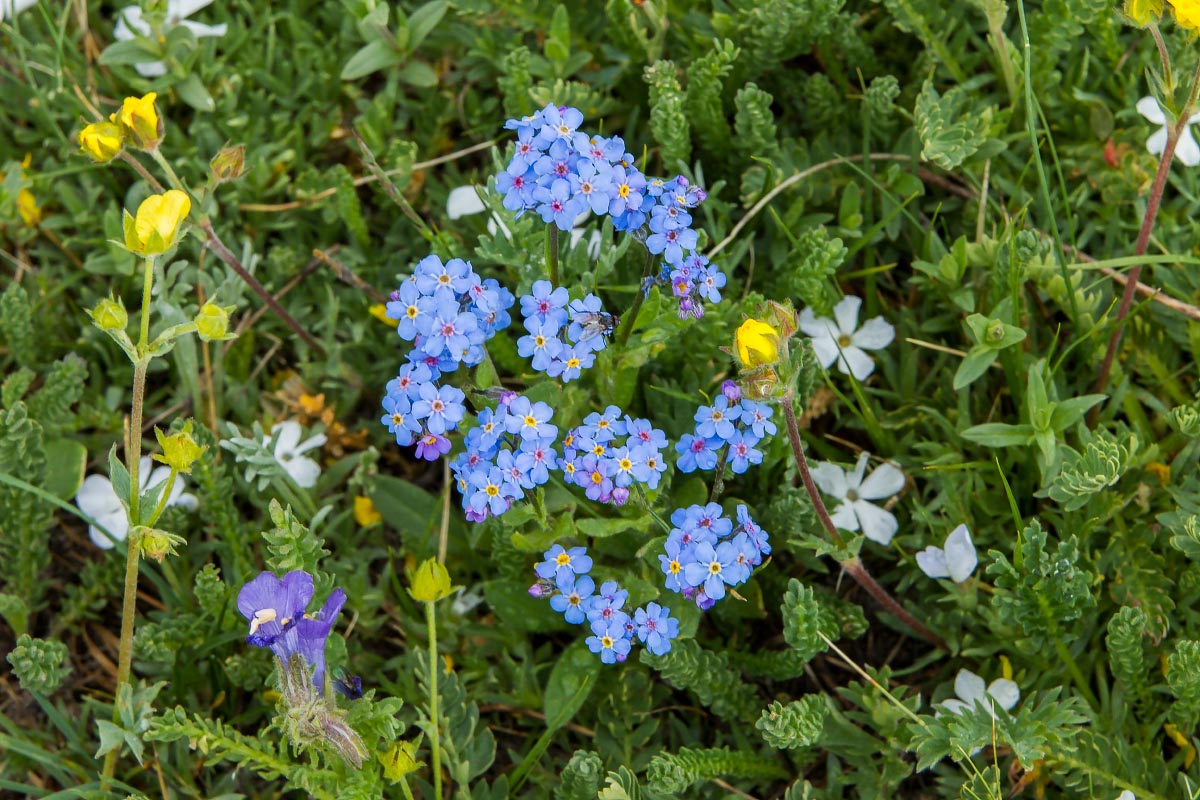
(597, 323)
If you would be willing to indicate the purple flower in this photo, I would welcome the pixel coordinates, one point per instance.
(757, 417)
(608, 602)
(696, 452)
(742, 452)
(431, 446)
(545, 304)
(273, 606)
(555, 204)
(308, 636)
(440, 407)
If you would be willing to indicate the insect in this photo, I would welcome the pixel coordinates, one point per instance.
(596, 323)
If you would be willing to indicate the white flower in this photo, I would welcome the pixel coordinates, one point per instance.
(130, 23)
(855, 512)
(289, 452)
(957, 561)
(10, 8)
(1186, 150)
(841, 339)
(97, 499)
(1126, 795)
(970, 690)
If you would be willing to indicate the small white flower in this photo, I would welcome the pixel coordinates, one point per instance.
(855, 512)
(464, 201)
(130, 23)
(97, 499)
(956, 561)
(841, 339)
(1186, 150)
(1126, 795)
(10, 8)
(971, 690)
(289, 452)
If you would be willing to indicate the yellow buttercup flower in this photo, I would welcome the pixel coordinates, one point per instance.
(365, 513)
(1187, 14)
(101, 141)
(1143, 12)
(757, 344)
(140, 123)
(156, 225)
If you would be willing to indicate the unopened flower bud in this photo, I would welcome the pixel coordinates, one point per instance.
(212, 322)
(101, 141)
(431, 582)
(109, 315)
(228, 164)
(400, 760)
(154, 543)
(179, 450)
(140, 123)
(156, 225)
(731, 391)
(1143, 12)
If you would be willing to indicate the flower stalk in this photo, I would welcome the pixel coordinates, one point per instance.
(638, 299)
(435, 743)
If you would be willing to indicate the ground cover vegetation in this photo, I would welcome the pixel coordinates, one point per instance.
(774, 399)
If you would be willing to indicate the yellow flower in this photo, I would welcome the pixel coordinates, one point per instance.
(156, 225)
(1143, 12)
(399, 760)
(27, 207)
(757, 344)
(365, 513)
(212, 322)
(140, 123)
(379, 312)
(431, 582)
(101, 141)
(1187, 14)
(180, 450)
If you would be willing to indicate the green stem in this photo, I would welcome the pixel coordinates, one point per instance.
(718, 485)
(162, 501)
(172, 178)
(639, 298)
(408, 795)
(134, 457)
(650, 510)
(1064, 655)
(435, 744)
(552, 253)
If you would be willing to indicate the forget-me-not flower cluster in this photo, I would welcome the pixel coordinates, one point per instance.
(561, 173)
(706, 552)
(448, 313)
(733, 425)
(508, 452)
(562, 335)
(563, 577)
(608, 454)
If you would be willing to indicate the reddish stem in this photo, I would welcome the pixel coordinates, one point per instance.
(853, 566)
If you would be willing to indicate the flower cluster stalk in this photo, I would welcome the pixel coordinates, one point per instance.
(435, 744)
(853, 566)
(638, 299)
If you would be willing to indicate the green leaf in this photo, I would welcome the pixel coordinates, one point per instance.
(995, 334)
(948, 138)
(373, 26)
(119, 477)
(603, 528)
(134, 51)
(1068, 412)
(419, 74)
(558, 42)
(422, 21)
(66, 462)
(571, 681)
(999, 434)
(192, 92)
(975, 364)
(373, 57)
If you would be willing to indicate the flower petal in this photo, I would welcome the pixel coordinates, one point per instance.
(961, 558)
(969, 686)
(953, 706)
(815, 326)
(199, 29)
(856, 363)
(311, 443)
(1187, 150)
(846, 313)
(885, 481)
(932, 561)
(877, 525)
(1157, 142)
(1005, 692)
(130, 23)
(289, 436)
(1149, 108)
(97, 498)
(116, 522)
(830, 479)
(825, 349)
(875, 334)
(855, 477)
(151, 69)
(463, 201)
(304, 471)
(844, 517)
(178, 9)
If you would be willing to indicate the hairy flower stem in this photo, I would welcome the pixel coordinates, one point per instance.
(133, 456)
(853, 566)
(632, 315)
(1143, 240)
(435, 744)
(552, 253)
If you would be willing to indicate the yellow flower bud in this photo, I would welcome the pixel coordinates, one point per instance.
(179, 450)
(27, 207)
(140, 123)
(156, 225)
(154, 543)
(1143, 12)
(228, 164)
(110, 315)
(431, 582)
(365, 513)
(101, 141)
(757, 344)
(212, 322)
